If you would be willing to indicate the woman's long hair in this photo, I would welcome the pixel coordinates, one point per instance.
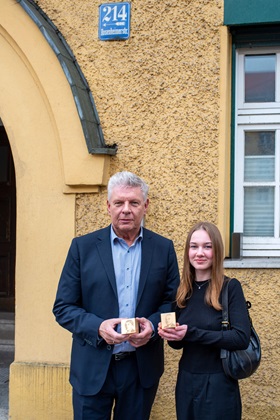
(214, 287)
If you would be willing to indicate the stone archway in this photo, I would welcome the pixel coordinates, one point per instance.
(51, 163)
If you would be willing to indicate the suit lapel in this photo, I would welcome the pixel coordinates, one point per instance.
(105, 253)
(146, 259)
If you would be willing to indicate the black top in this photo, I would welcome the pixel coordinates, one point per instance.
(204, 338)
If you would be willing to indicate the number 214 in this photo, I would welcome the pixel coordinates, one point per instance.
(114, 14)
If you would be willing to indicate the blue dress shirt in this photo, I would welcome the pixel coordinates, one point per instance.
(127, 264)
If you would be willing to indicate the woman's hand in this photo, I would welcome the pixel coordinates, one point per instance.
(172, 334)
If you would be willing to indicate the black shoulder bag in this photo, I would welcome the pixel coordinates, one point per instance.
(239, 364)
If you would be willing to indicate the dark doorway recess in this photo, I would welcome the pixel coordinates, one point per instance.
(7, 225)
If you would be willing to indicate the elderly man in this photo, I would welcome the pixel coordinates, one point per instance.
(121, 271)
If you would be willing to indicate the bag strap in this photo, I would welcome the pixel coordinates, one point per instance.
(225, 314)
(248, 305)
(225, 317)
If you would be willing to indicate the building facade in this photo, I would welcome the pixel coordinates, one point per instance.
(190, 102)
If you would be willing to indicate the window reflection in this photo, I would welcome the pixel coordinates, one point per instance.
(260, 78)
(259, 211)
(259, 165)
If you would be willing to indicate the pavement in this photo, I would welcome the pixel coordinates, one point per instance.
(6, 358)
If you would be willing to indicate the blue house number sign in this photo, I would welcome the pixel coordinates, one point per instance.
(114, 21)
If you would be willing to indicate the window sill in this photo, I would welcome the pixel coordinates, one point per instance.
(252, 263)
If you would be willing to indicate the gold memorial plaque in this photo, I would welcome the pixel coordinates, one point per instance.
(168, 320)
(129, 326)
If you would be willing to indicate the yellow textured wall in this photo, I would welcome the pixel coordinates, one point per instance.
(40, 392)
(158, 96)
(260, 393)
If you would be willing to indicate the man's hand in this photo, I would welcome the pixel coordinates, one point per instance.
(141, 338)
(109, 334)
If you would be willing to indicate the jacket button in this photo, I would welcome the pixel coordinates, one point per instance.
(108, 347)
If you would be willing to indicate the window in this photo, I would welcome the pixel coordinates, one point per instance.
(256, 150)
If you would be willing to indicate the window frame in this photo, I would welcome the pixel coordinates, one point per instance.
(253, 117)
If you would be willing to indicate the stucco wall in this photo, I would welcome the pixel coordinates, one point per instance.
(158, 97)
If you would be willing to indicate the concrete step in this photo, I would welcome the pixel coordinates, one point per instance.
(7, 331)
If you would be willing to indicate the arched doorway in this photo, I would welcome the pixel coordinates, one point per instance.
(7, 225)
(52, 165)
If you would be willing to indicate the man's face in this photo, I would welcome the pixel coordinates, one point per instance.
(127, 209)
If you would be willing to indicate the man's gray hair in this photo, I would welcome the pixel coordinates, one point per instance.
(127, 179)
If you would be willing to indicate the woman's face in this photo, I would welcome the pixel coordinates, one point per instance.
(201, 253)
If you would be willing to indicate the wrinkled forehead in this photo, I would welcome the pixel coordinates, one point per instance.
(127, 192)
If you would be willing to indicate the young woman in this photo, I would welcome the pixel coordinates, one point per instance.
(203, 391)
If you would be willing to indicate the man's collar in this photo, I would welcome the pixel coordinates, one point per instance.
(116, 237)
